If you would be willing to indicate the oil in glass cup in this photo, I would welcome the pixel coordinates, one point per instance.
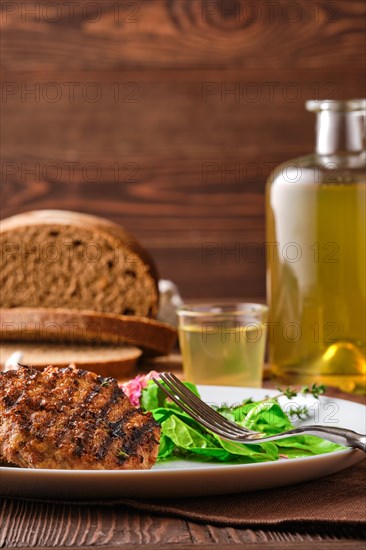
(223, 344)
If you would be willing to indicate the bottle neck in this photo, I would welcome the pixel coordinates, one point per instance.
(340, 132)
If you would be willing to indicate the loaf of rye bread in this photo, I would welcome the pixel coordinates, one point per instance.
(85, 327)
(61, 259)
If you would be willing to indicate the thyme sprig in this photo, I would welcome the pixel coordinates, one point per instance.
(290, 392)
(315, 390)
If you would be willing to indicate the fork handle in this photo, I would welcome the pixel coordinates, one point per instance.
(348, 438)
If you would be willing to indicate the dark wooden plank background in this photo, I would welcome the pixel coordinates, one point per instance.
(167, 115)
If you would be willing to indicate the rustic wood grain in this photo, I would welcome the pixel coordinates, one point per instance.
(307, 545)
(205, 115)
(186, 33)
(169, 115)
(41, 525)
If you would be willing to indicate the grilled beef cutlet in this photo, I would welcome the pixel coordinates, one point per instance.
(72, 419)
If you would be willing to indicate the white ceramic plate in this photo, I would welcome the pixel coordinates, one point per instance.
(189, 478)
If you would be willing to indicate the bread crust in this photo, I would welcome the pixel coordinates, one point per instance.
(86, 327)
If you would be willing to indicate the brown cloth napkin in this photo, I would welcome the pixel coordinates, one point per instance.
(339, 498)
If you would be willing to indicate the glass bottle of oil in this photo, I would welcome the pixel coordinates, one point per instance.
(316, 245)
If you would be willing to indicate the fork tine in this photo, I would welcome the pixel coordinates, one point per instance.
(193, 405)
(222, 433)
(195, 402)
(211, 416)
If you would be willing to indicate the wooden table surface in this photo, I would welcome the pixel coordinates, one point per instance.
(42, 525)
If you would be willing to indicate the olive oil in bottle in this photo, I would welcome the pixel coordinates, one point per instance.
(316, 244)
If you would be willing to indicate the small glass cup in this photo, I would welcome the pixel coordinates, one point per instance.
(223, 344)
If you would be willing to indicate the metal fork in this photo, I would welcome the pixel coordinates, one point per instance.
(218, 424)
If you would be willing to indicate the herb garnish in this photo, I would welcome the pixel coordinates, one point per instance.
(122, 454)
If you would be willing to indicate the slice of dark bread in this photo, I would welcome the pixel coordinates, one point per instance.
(55, 258)
(107, 360)
(86, 327)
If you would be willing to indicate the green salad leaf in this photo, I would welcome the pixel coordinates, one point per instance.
(183, 437)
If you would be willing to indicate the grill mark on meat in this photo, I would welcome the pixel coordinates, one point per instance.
(130, 445)
(45, 426)
(92, 394)
(11, 400)
(82, 421)
(79, 447)
(23, 420)
(116, 394)
(117, 427)
(104, 411)
(104, 447)
(8, 401)
(82, 373)
(71, 419)
(116, 431)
